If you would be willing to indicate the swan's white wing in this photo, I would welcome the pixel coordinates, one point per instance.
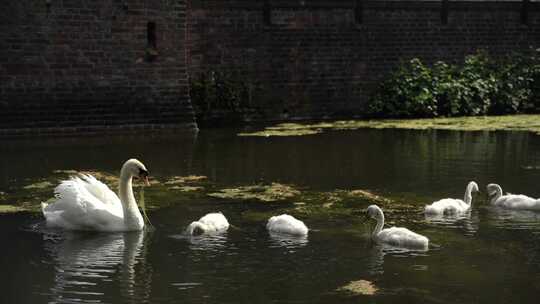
(286, 224)
(403, 237)
(78, 208)
(215, 221)
(210, 223)
(520, 201)
(447, 205)
(101, 191)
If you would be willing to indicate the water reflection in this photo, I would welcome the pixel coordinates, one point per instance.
(467, 221)
(208, 242)
(514, 219)
(378, 253)
(290, 242)
(86, 264)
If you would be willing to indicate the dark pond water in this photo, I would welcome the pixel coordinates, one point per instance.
(489, 256)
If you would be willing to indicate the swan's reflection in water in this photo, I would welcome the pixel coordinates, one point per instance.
(88, 264)
(208, 242)
(290, 242)
(514, 219)
(378, 252)
(467, 221)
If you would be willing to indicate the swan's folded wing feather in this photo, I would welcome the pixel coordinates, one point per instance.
(445, 205)
(399, 236)
(98, 189)
(77, 208)
(519, 201)
(215, 221)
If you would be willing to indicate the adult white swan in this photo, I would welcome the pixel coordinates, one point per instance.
(84, 203)
(286, 224)
(395, 236)
(511, 201)
(453, 205)
(210, 223)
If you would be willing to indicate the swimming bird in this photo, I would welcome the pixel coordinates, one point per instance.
(210, 223)
(84, 203)
(286, 224)
(511, 201)
(452, 205)
(395, 236)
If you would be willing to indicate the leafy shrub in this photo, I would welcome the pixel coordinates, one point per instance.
(228, 90)
(408, 93)
(481, 85)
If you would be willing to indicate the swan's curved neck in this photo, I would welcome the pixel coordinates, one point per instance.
(468, 195)
(132, 216)
(380, 225)
(497, 195)
(196, 228)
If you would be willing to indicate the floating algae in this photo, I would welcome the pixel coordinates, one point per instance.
(265, 193)
(530, 123)
(11, 209)
(178, 180)
(70, 172)
(360, 287)
(287, 129)
(38, 185)
(186, 188)
(188, 183)
(367, 195)
(22, 207)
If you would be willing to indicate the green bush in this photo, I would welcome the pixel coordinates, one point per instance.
(229, 90)
(479, 86)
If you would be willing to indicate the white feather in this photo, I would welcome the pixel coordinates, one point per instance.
(210, 223)
(452, 205)
(84, 203)
(395, 236)
(512, 201)
(286, 224)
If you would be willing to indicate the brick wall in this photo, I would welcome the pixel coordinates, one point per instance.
(84, 65)
(321, 58)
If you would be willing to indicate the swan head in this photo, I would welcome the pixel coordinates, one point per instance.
(493, 189)
(474, 187)
(374, 212)
(135, 168)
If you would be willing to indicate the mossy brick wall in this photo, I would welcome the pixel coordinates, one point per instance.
(321, 58)
(82, 65)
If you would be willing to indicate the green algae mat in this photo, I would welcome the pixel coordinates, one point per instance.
(527, 123)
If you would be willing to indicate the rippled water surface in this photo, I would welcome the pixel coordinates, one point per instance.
(487, 256)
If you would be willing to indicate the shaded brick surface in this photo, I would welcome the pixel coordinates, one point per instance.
(82, 64)
(322, 58)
